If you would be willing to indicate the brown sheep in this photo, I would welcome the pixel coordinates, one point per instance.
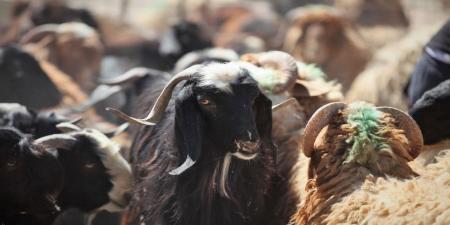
(73, 47)
(350, 145)
(386, 76)
(283, 77)
(320, 35)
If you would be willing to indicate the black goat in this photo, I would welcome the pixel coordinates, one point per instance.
(431, 113)
(97, 177)
(22, 80)
(31, 179)
(208, 157)
(29, 121)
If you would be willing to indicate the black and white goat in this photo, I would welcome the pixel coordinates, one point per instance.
(96, 176)
(205, 156)
(31, 179)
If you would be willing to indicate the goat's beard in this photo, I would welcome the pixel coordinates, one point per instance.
(223, 184)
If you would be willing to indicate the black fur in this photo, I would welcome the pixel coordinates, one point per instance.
(28, 176)
(432, 113)
(206, 134)
(30, 122)
(22, 80)
(84, 188)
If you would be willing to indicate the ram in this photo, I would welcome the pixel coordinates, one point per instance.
(206, 156)
(351, 147)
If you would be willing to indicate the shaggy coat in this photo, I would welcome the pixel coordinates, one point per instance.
(340, 165)
(203, 194)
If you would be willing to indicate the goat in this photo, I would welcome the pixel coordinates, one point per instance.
(63, 44)
(349, 145)
(208, 157)
(23, 80)
(28, 121)
(31, 180)
(97, 177)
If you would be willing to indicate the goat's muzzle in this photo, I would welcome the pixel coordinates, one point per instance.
(246, 150)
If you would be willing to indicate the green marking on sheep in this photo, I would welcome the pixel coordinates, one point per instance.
(267, 79)
(365, 141)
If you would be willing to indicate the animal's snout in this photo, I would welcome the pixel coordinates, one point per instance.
(248, 147)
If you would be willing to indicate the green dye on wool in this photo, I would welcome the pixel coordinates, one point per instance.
(365, 141)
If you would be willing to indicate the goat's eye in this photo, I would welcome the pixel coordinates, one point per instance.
(89, 165)
(203, 101)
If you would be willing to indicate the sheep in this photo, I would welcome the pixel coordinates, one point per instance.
(320, 35)
(350, 146)
(283, 76)
(64, 44)
(31, 180)
(422, 200)
(377, 22)
(385, 78)
(205, 56)
(247, 27)
(198, 162)
(23, 80)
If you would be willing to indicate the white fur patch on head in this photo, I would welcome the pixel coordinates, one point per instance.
(212, 53)
(220, 75)
(8, 107)
(117, 167)
(80, 30)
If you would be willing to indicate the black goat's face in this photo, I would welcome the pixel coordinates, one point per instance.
(223, 108)
(97, 177)
(87, 182)
(31, 178)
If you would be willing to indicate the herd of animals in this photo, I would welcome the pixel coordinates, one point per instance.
(243, 118)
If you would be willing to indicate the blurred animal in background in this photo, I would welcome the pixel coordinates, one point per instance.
(320, 35)
(247, 27)
(384, 80)
(23, 81)
(74, 48)
(353, 147)
(31, 179)
(434, 65)
(57, 12)
(379, 22)
(431, 114)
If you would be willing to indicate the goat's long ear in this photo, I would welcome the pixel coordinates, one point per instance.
(188, 130)
(263, 117)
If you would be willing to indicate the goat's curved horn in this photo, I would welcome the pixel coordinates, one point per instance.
(132, 75)
(319, 120)
(63, 141)
(163, 99)
(67, 127)
(283, 104)
(410, 127)
(38, 31)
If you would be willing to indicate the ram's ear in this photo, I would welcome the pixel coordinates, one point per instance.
(263, 116)
(188, 130)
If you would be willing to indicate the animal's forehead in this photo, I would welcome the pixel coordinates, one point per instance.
(225, 76)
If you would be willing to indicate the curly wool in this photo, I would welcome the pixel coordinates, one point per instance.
(422, 200)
